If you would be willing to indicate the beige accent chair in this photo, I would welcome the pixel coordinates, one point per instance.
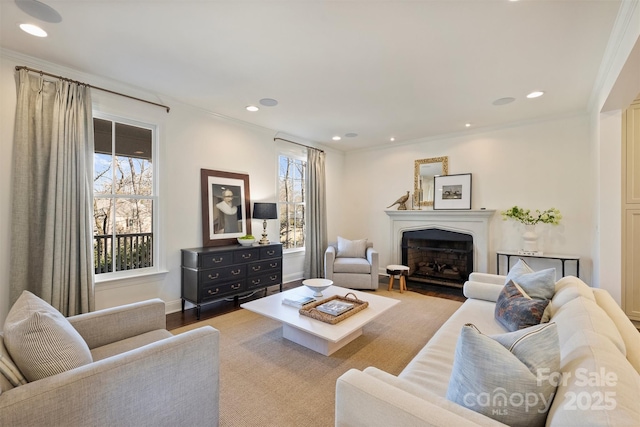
(352, 272)
(141, 375)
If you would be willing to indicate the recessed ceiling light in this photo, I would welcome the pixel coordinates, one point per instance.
(252, 108)
(467, 125)
(392, 139)
(336, 138)
(351, 135)
(503, 101)
(268, 102)
(535, 94)
(39, 11)
(34, 30)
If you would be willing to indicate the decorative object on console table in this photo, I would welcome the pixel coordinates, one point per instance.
(210, 274)
(225, 207)
(265, 211)
(530, 241)
(452, 192)
(530, 237)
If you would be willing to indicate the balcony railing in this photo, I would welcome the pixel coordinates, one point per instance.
(129, 252)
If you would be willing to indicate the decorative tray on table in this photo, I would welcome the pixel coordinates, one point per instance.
(334, 309)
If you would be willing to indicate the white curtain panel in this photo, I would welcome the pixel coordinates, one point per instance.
(315, 215)
(52, 206)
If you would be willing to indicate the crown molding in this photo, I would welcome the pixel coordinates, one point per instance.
(621, 42)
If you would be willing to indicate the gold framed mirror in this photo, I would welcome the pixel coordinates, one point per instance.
(425, 170)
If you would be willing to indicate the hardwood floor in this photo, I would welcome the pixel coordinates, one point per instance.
(439, 291)
(178, 319)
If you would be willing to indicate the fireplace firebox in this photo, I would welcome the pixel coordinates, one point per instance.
(437, 256)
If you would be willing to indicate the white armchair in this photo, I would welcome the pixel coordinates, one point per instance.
(352, 267)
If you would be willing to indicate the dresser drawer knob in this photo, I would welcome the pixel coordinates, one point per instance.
(214, 277)
(217, 260)
(246, 256)
(271, 252)
(274, 277)
(234, 287)
(210, 292)
(235, 272)
(256, 268)
(256, 281)
(274, 265)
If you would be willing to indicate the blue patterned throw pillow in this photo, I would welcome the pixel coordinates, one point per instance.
(507, 377)
(517, 310)
(537, 284)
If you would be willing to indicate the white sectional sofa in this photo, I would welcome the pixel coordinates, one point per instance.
(599, 359)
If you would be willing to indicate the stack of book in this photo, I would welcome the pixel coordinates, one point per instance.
(335, 307)
(298, 302)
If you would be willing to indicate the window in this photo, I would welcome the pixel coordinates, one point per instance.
(124, 196)
(291, 182)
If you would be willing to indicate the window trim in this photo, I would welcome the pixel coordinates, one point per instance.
(155, 198)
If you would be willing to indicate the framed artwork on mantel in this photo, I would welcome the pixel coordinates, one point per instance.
(226, 207)
(452, 192)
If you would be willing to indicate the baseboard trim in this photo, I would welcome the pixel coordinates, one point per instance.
(175, 306)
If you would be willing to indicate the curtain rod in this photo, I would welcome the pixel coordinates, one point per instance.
(88, 85)
(302, 145)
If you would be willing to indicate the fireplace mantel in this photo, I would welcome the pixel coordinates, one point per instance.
(473, 222)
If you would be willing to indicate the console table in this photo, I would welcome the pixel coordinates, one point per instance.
(561, 258)
(210, 274)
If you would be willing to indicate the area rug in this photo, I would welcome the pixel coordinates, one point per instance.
(266, 380)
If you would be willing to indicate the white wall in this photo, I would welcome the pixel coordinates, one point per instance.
(535, 165)
(608, 248)
(190, 139)
(552, 163)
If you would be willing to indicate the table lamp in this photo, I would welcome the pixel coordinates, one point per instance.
(265, 211)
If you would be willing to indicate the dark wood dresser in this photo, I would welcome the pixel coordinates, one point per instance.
(210, 274)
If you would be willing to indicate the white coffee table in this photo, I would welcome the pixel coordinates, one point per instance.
(314, 334)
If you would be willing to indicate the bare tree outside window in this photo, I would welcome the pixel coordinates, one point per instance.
(291, 178)
(123, 197)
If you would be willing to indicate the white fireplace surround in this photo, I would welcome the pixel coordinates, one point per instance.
(473, 222)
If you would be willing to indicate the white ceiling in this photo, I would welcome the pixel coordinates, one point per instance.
(401, 68)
